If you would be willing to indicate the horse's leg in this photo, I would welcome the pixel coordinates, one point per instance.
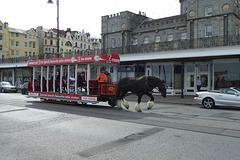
(119, 98)
(151, 102)
(137, 106)
(125, 103)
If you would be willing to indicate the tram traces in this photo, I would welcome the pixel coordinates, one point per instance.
(119, 143)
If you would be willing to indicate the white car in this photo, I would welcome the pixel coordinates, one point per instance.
(223, 97)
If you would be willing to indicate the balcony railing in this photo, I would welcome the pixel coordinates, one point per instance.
(141, 48)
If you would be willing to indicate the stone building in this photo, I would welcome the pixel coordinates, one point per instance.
(203, 40)
(83, 44)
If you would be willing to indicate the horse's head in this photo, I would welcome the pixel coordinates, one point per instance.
(159, 84)
(163, 89)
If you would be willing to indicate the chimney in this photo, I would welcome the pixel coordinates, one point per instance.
(68, 29)
(5, 25)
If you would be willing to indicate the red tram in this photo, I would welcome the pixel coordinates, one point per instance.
(56, 79)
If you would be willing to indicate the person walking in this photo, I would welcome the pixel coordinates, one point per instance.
(199, 84)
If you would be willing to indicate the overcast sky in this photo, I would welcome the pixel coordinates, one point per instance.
(79, 14)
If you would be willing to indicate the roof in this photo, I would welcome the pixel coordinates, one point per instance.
(15, 30)
(182, 54)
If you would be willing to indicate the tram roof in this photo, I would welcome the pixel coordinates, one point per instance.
(98, 59)
(207, 53)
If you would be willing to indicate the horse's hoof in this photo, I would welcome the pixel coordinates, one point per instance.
(150, 104)
(125, 103)
(137, 107)
(119, 108)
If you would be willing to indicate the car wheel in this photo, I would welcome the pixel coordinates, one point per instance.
(2, 90)
(208, 103)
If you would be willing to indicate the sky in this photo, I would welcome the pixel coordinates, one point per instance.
(78, 14)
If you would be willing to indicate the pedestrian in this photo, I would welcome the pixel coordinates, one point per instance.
(199, 84)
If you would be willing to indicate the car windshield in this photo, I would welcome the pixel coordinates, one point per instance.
(5, 83)
(237, 89)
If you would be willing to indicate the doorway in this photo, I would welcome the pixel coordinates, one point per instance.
(194, 70)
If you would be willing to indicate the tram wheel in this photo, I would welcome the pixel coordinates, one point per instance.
(112, 102)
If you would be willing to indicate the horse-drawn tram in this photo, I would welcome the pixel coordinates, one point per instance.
(73, 79)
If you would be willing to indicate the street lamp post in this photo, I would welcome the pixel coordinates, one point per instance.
(51, 2)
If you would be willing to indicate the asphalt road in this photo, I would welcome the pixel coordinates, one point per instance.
(35, 130)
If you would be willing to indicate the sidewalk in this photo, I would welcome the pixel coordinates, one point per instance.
(174, 99)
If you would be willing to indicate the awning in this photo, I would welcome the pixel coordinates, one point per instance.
(13, 65)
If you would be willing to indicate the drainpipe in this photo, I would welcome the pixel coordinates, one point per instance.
(182, 79)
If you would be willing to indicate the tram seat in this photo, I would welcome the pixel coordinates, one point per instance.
(93, 87)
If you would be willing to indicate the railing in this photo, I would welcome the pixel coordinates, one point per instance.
(141, 48)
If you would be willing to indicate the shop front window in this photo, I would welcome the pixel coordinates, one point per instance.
(125, 71)
(164, 72)
(226, 75)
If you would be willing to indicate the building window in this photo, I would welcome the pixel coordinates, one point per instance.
(17, 43)
(51, 42)
(49, 49)
(170, 37)
(81, 45)
(146, 40)
(46, 50)
(1, 37)
(113, 43)
(45, 42)
(157, 39)
(25, 36)
(183, 35)
(25, 44)
(1, 47)
(30, 36)
(34, 37)
(208, 11)
(17, 35)
(76, 44)
(52, 50)
(226, 74)
(12, 43)
(135, 41)
(12, 34)
(34, 54)
(113, 28)
(30, 44)
(30, 54)
(51, 34)
(25, 54)
(34, 45)
(12, 53)
(1, 28)
(17, 53)
(208, 32)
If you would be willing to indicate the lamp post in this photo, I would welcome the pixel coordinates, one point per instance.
(51, 2)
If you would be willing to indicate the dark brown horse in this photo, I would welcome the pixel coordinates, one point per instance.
(139, 86)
